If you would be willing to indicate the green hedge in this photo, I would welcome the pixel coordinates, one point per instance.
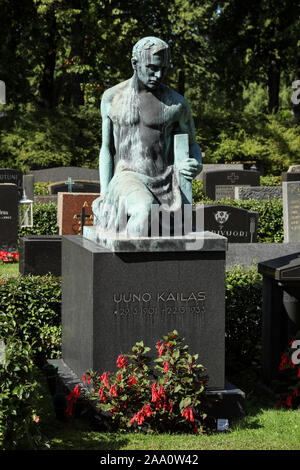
(44, 220)
(243, 299)
(34, 302)
(18, 419)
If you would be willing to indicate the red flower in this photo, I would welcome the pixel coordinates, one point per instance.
(147, 410)
(155, 395)
(161, 393)
(188, 414)
(138, 417)
(132, 381)
(160, 347)
(113, 391)
(122, 361)
(166, 366)
(104, 379)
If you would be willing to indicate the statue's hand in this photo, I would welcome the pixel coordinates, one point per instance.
(189, 168)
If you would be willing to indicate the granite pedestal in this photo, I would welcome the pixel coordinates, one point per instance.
(111, 300)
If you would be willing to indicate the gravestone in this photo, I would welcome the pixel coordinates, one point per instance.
(111, 300)
(281, 309)
(259, 193)
(217, 167)
(9, 175)
(75, 186)
(290, 176)
(69, 212)
(291, 211)
(9, 222)
(220, 184)
(294, 169)
(236, 224)
(52, 175)
(40, 255)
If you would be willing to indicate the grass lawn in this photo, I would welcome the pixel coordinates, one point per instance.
(9, 270)
(263, 428)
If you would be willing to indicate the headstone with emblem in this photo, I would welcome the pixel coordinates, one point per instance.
(236, 224)
(221, 184)
(74, 209)
(9, 223)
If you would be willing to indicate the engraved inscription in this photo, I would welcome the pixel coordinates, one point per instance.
(164, 302)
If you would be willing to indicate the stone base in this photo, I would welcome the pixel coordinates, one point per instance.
(229, 404)
(193, 241)
(112, 300)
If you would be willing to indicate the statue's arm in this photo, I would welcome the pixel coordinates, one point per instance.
(193, 165)
(106, 159)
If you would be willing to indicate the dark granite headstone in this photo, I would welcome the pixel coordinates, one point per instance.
(291, 210)
(77, 187)
(40, 255)
(9, 222)
(9, 175)
(51, 175)
(220, 184)
(236, 224)
(281, 309)
(112, 300)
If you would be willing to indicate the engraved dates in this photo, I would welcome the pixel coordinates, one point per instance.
(159, 303)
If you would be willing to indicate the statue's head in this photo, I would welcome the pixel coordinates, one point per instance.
(150, 60)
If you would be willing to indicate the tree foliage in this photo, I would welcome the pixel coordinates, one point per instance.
(228, 56)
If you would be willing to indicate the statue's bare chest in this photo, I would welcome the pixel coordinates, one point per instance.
(155, 113)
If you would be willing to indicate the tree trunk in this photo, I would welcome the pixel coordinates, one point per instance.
(46, 90)
(273, 86)
(181, 82)
(77, 97)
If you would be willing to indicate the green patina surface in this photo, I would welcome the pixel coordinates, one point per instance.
(140, 164)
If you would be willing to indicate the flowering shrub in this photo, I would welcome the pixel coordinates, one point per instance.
(167, 397)
(6, 257)
(290, 379)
